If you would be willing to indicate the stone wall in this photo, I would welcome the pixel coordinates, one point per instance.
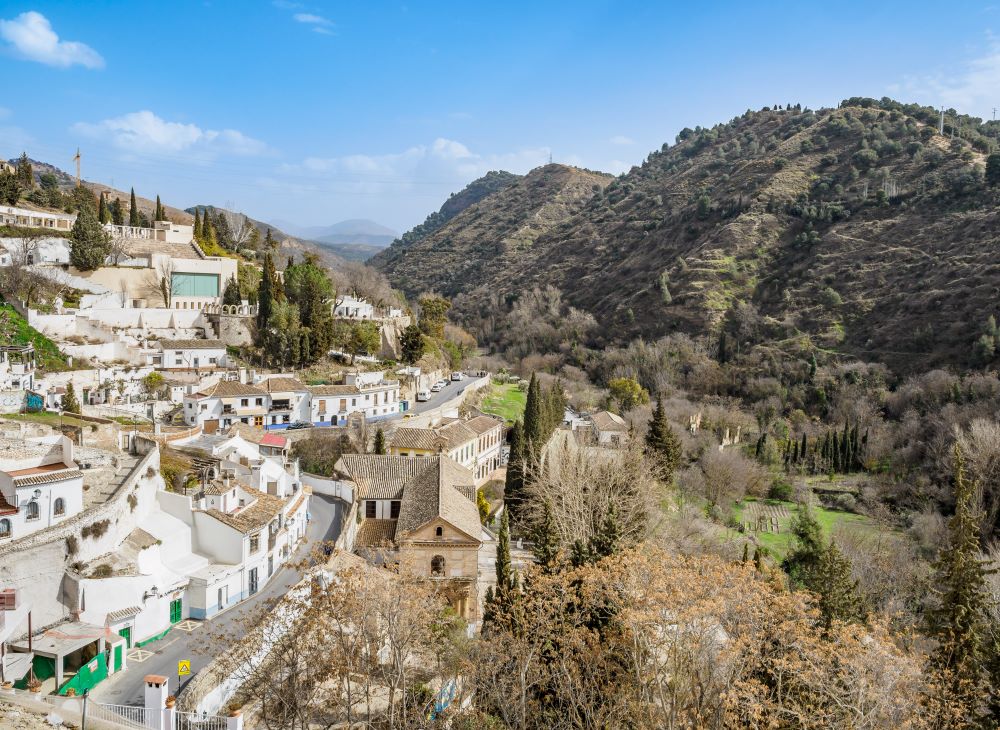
(234, 330)
(36, 564)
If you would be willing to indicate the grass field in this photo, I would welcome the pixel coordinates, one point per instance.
(505, 401)
(46, 418)
(779, 543)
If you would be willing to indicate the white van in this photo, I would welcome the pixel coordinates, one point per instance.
(423, 395)
(457, 375)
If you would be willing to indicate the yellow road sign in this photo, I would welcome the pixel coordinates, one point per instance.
(183, 667)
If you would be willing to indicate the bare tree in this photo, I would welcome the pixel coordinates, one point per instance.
(161, 281)
(240, 226)
(119, 249)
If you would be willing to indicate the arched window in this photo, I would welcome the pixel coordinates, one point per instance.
(437, 565)
(59, 507)
(4, 528)
(439, 532)
(31, 511)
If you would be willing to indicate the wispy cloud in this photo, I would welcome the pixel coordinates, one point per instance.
(144, 133)
(621, 139)
(971, 88)
(318, 23)
(30, 36)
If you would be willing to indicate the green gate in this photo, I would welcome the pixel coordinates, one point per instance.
(89, 675)
(175, 610)
(126, 633)
(118, 656)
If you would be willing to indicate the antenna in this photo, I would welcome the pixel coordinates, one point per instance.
(941, 122)
(76, 158)
(550, 157)
(994, 114)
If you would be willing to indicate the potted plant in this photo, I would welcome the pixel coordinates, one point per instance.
(171, 700)
(34, 686)
(71, 692)
(234, 709)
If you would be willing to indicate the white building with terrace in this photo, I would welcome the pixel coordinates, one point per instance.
(40, 484)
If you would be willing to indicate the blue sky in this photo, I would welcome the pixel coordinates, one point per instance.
(315, 112)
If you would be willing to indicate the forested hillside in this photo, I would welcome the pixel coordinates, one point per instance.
(857, 231)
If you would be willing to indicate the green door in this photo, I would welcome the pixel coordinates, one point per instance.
(126, 633)
(175, 610)
(118, 657)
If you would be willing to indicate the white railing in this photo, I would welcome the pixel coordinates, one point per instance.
(201, 721)
(124, 715)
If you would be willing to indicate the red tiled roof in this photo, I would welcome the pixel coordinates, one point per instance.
(273, 439)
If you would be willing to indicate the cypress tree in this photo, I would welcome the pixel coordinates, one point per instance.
(264, 298)
(506, 580)
(845, 449)
(514, 486)
(89, 242)
(608, 536)
(117, 214)
(103, 214)
(269, 241)
(133, 211)
(960, 619)
(546, 541)
(804, 447)
(662, 443)
(837, 590)
(534, 427)
(746, 553)
(160, 215)
(231, 294)
(25, 175)
(802, 563)
(379, 442)
(812, 368)
(197, 226)
(757, 559)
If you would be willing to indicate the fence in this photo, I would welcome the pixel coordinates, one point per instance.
(124, 715)
(200, 721)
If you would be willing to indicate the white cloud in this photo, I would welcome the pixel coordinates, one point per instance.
(318, 22)
(31, 36)
(142, 133)
(621, 139)
(970, 89)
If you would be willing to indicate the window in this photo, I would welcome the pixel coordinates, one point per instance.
(244, 402)
(4, 528)
(438, 532)
(59, 507)
(178, 361)
(254, 543)
(213, 360)
(259, 402)
(394, 509)
(437, 564)
(370, 509)
(31, 511)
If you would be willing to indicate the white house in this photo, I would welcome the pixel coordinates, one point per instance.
(348, 307)
(289, 401)
(17, 367)
(221, 405)
(475, 444)
(489, 445)
(40, 485)
(367, 393)
(190, 355)
(27, 218)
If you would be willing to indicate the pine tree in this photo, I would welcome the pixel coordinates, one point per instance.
(133, 211)
(89, 242)
(802, 563)
(160, 215)
(607, 538)
(379, 442)
(960, 619)
(837, 590)
(25, 175)
(265, 301)
(412, 344)
(812, 367)
(197, 226)
(546, 541)
(103, 214)
(70, 404)
(513, 492)
(231, 294)
(269, 241)
(662, 443)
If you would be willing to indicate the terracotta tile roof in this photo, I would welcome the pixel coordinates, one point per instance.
(457, 434)
(122, 614)
(607, 421)
(484, 424)
(254, 516)
(192, 345)
(282, 385)
(334, 390)
(229, 389)
(47, 478)
(273, 439)
(375, 533)
(247, 432)
(440, 490)
(417, 438)
(380, 477)
(6, 508)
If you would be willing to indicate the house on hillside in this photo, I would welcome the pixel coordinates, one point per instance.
(475, 444)
(30, 218)
(40, 485)
(188, 355)
(348, 307)
(369, 394)
(609, 428)
(289, 402)
(421, 512)
(17, 367)
(221, 405)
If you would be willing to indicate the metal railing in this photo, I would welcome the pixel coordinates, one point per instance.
(124, 715)
(200, 721)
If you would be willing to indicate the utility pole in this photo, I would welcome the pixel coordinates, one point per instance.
(941, 122)
(76, 158)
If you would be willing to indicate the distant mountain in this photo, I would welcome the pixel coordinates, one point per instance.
(355, 239)
(471, 194)
(859, 230)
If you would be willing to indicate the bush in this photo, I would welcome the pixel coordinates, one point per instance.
(72, 545)
(781, 490)
(96, 530)
(102, 571)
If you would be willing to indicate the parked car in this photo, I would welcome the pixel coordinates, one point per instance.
(298, 425)
(457, 376)
(423, 395)
(436, 388)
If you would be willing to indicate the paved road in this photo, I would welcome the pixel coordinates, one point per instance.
(127, 687)
(453, 390)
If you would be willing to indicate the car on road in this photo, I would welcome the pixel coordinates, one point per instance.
(423, 395)
(299, 424)
(436, 388)
(457, 376)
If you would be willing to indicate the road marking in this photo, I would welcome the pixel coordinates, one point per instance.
(187, 625)
(139, 655)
